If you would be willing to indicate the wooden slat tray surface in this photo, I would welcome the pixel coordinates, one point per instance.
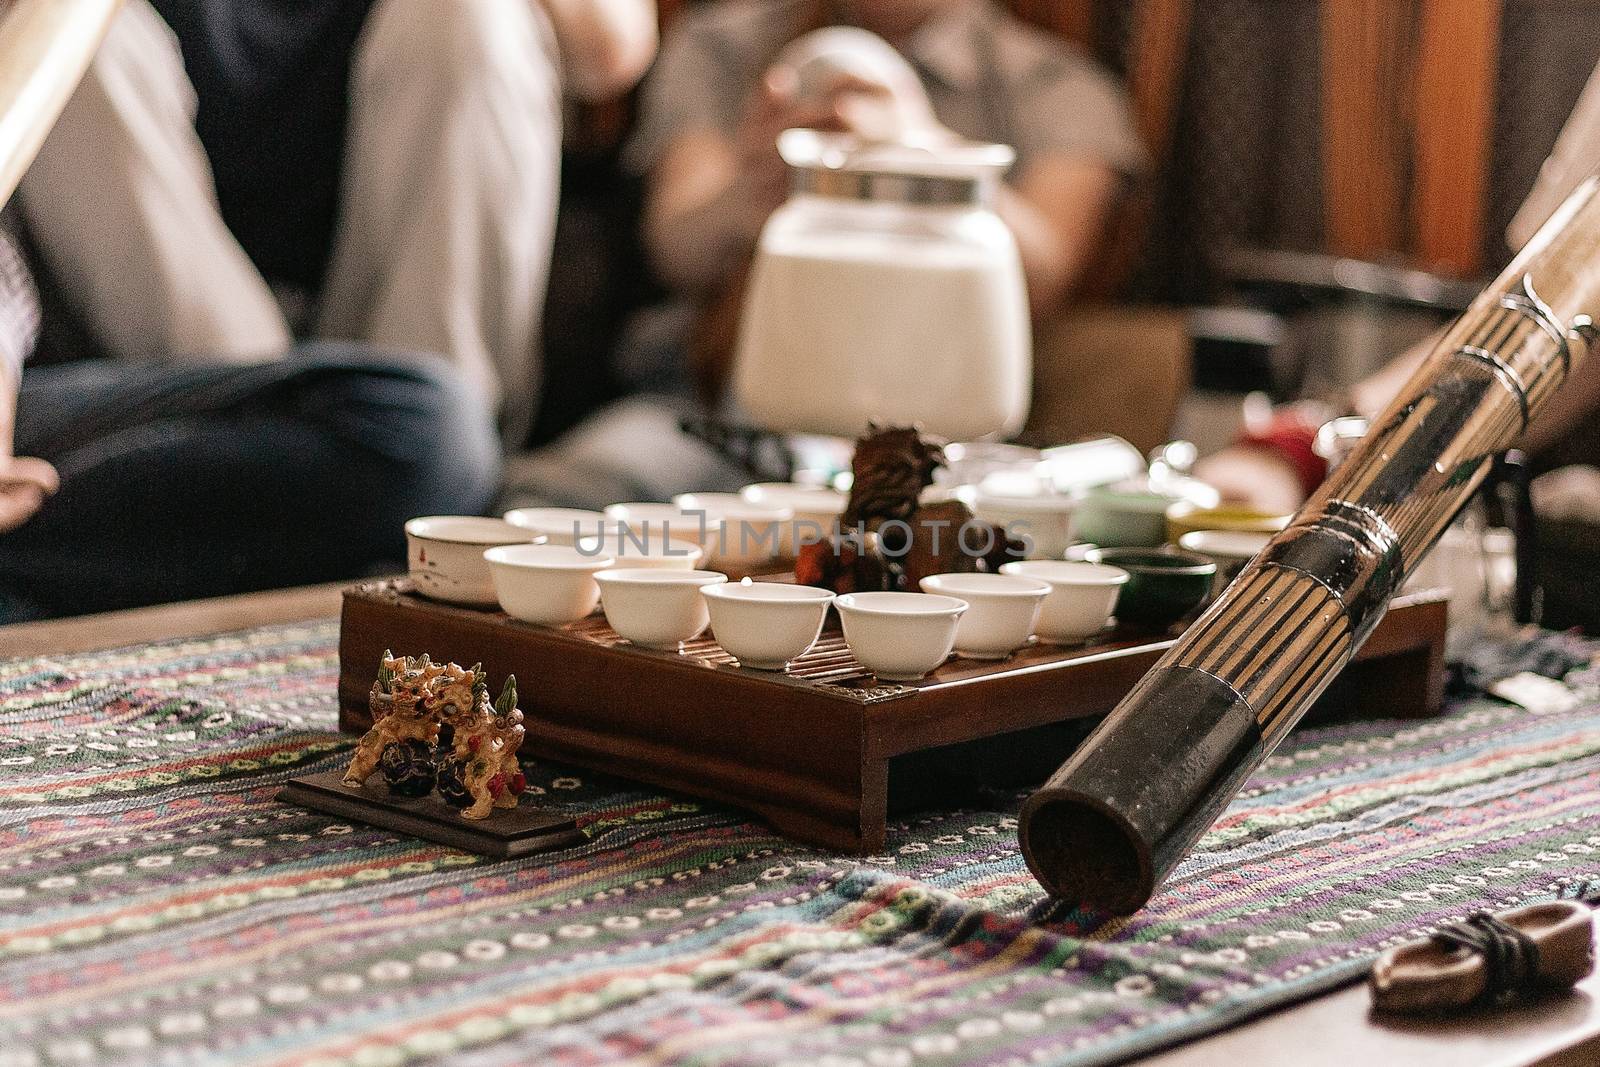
(813, 750)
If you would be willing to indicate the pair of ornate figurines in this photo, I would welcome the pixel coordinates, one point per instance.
(434, 727)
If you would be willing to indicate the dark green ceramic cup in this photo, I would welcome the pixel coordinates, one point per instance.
(1163, 586)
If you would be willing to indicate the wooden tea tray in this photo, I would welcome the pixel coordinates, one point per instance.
(818, 751)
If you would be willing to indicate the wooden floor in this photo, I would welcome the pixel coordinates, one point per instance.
(88, 632)
(1333, 1030)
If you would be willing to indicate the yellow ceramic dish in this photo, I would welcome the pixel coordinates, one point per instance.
(1185, 517)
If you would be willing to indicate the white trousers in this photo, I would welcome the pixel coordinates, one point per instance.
(451, 176)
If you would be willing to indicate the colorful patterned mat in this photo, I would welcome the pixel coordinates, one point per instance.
(158, 906)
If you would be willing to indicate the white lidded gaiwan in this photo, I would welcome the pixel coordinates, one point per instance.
(1082, 599)
(655, 607)
(900, 637)
(1002, 610)
(547, 584)
(766, 624)
(1225, 546)
(444, 555)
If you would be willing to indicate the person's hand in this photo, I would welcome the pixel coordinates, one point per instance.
(606, 45)
(878, 112)
(848, 103)
(25, 483)
(773, 107)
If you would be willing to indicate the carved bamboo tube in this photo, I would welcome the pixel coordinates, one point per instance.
(1114, 821)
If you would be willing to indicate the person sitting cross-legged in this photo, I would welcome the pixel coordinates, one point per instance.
(124, 483)
(232, 176)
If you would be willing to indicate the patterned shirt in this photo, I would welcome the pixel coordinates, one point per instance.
(19, 309)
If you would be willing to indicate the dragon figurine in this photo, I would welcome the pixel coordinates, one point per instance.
(482, 766)
(401, 704)
(454, 699)
(889, 539)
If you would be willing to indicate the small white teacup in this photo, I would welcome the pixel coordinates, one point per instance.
(1044, 520)
(816, 511)
(1001, 614)
(659, 522)
(444, 554)
(1083, 597)
(560, 526)
(631, 548)
(742, 533)
(547, 584)
(766, 624)
(900, 637)
(654, 607)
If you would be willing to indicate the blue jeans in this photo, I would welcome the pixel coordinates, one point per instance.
(184, 480)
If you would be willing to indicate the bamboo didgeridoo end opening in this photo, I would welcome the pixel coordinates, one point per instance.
(1114, 821)
(1084, 852)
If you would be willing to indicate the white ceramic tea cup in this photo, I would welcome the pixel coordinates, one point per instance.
(547, 584)
(1083, 597)
(1002, 610)
(741, 533)
(632, 549)
(659, 522)
(560, 526)
(655, 607)
(816, 511)
(1044, 520)
(444, 555)
(766, 624)
(900, 637)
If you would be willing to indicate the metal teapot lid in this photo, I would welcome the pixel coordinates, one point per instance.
(946, 171)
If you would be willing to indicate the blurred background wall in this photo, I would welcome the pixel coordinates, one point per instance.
(1396, 131)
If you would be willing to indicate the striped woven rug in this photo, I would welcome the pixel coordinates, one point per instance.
(158, 906)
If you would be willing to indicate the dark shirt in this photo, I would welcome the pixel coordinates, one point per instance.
(272, 80)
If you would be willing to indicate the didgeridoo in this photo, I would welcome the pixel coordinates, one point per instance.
(1114, 821)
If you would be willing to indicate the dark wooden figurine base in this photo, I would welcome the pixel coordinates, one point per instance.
(825, 750)
(508, 833)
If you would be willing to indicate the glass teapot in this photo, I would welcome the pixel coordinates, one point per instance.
(886, 288)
